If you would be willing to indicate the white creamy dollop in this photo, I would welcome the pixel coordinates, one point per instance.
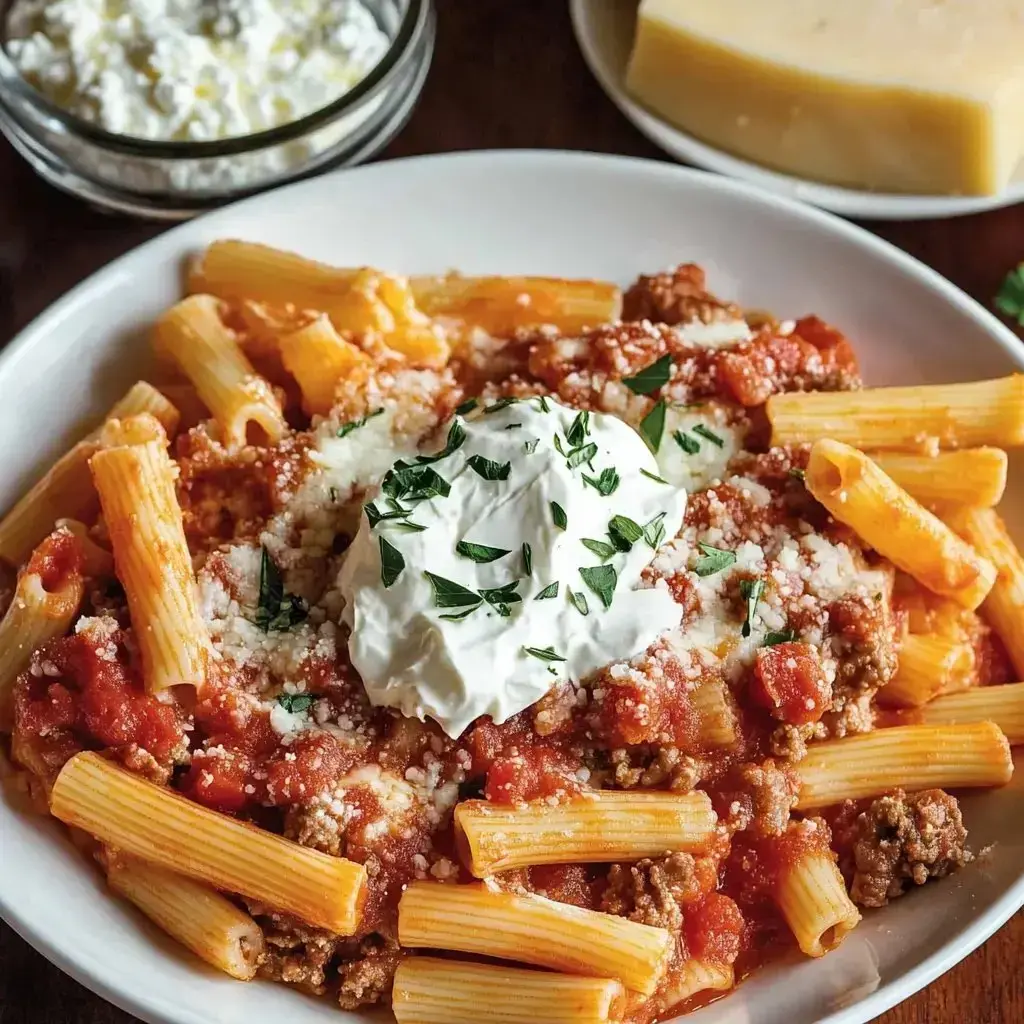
(413, 658)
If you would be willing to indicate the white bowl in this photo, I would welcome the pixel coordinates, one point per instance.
(604, 30)
(542, 213)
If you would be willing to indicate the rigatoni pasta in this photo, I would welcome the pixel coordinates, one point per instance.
(930, 664)
(162, 828)
(858, 493)
(605, 826)
(970, 476)
(1002, 705)
(535, 930)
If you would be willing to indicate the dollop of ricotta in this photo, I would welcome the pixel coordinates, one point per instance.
(508, 561)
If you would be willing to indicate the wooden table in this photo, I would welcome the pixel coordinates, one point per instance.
(506, 74)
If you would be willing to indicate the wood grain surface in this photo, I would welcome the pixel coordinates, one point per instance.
(506, 74)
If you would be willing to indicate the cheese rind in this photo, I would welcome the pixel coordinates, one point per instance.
(902, 97)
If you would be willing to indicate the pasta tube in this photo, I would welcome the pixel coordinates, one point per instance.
(200, 919)
(192, 335)
(534, 930)
(856, 492)
(909, 757)
(433, 991)
(599, 827)
(984, 530)
(695, 977)
(136, 488)
(1003, 705)
(929, 665)
(909, 419)
(318, 357)
(163, 828)
(971, 476)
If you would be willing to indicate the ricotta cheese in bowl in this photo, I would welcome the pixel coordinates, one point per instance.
(167, 107)
(507, 561)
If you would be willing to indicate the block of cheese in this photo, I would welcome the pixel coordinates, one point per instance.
(920, 96)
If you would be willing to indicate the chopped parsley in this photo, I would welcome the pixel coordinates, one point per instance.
(527, 558)
(456, 439)
(391, 562)
(295, 703)
(513, 426)
(578, 429)
(346, 428)
(501, 403)
(750, 591)
(654, 531)
(276, 609)
(600, 548)
(580, 455)
(624, 532)
(543, 653)
(551, 590)
(579, 601)
(713, 560)
(375, 516)
(650, 378)
(709, 435)
(480, 552)
(499, 598)
(561, 520)
(652, 427)
(531, 446)
(689, 445)
(653, 476)
(605, 484)
(488, 468)
(784, 636)
(601, 579)
(542, 404)
(798, 474)
(414, 483)
(1010, 299)
(466, 407)
(448, 594)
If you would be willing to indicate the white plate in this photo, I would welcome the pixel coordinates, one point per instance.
(541, 213)
(604, 31)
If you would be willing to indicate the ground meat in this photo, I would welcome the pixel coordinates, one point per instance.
(294, 952)
(368, 979)
(757, 797)
(666, 767)
(652, 891)
(903, 840)
(675, 297)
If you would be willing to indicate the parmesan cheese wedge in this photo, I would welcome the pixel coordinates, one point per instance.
(921, 96)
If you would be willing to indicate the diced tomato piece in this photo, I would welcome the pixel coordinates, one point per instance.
(304, 768)
(790, 682)
(218, 780)
(532, 774)
(713, 929)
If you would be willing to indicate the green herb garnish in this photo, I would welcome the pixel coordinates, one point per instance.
(551, 590)
(543, 403)
(543, 653)
(456, 439)
(580, 455)
(709, 435)
(480, 552)
(391, 562)
(650, 378)
(1010, 299)
(578, 429)
(488, 468)
(346, 428)
(652, 427)
(466, 407)
(527, 558)
(713, 560)
(600, 548)
(751, 591)
(784, 636)
(459, 616)
(414, 483)
(501, 403)
(798, 474)
(513, 426)
(602, 580)
(579, 601)
(499, 598)
(654, 531)
(559, 516)
(294, 703)
(276, 609)
(687, 443)
(624, 532)
(448, 594)
(531, 446)
(605, 484)
(654, 476)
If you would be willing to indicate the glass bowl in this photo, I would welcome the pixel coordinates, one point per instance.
(177, 180)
